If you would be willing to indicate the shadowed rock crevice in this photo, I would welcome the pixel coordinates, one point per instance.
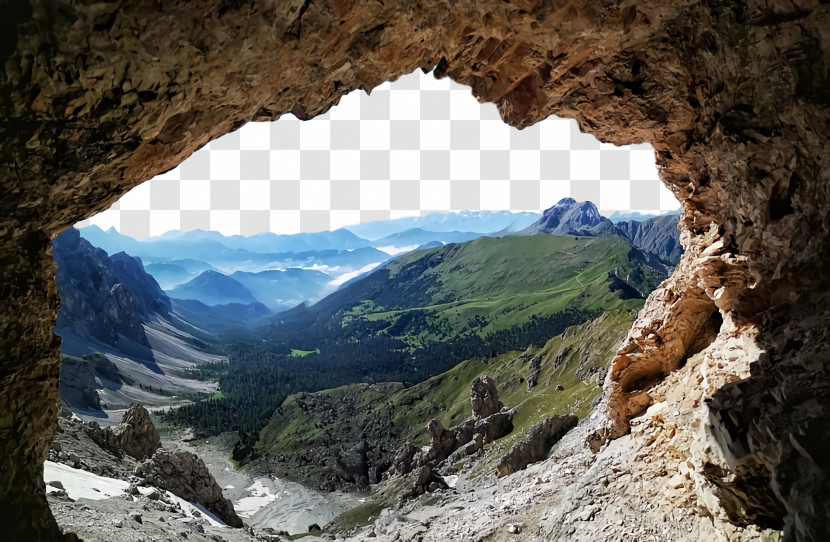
(97, 98)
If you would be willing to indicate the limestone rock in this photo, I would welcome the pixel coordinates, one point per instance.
(136, 435)
(536, 444)
(185, 475)
(484, 397)
(460, 440)
(404, 459)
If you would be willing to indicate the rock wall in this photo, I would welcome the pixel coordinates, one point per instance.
(98, 97)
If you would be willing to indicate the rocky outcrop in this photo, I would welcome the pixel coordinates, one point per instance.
(135, 436)
(459, 441)
(536, 444)
(185, 475)
(658, 236)
(104, 297)
(78, 384)
(81, 378)
(84, 446)
(731, 94)
(484, 398)
(567, 217)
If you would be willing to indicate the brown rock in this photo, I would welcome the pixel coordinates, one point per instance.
(136, 435)
(484, 397)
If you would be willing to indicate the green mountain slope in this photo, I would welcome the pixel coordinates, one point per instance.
(421, 315)
(479, 289)
(304, 437)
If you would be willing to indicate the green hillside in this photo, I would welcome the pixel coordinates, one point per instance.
(478, 288)
(307, 431)
(423, 314)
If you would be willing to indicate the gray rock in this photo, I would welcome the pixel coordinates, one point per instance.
(536, 444)
(484, 397)
(186, 475)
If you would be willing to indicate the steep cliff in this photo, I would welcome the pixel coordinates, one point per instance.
(658, 235)
(104, 297)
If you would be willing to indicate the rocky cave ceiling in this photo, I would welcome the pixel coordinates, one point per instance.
(97, 97)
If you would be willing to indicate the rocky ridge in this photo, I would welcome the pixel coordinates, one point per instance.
(104, 297)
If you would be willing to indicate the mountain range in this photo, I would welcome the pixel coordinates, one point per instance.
(657, 235)
(120, 338)
(282, 271)
(373, 313)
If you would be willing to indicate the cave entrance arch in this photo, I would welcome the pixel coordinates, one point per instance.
(98, 98)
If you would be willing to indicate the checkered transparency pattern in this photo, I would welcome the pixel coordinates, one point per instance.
(414, 146)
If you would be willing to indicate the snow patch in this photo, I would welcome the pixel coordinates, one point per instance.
(260, 497)
(80, 484)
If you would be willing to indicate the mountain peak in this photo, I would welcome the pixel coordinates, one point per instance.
(567, 217)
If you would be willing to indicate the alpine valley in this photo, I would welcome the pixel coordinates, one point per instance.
(394, 360)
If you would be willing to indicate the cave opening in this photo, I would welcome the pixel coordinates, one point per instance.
(719, 91)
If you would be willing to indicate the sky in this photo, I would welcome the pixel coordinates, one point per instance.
(412, 147)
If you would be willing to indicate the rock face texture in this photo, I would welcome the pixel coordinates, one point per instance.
(104, 297)
(484, 398)
(536, 444)
(490, 421)
(135, 436)
(567, 217)
(96, 98)
(658, 235)
(185, 475)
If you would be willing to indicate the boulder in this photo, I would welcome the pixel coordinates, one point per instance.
(427, 480)
(352, 464)
(136, 435)
(404, 460)
(186, 475)
(441, 444)
(484, 398)
(536, 444)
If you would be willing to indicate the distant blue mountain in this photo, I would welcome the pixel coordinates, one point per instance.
(171, 274)
(213, 288)
(268, 242)
(110, 241)
(416, 237)
(635, 216)
(465, 221)
(283, 289)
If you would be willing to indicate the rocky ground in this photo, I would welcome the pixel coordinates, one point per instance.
(658, 482)
(164, 488)
(655, 483)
